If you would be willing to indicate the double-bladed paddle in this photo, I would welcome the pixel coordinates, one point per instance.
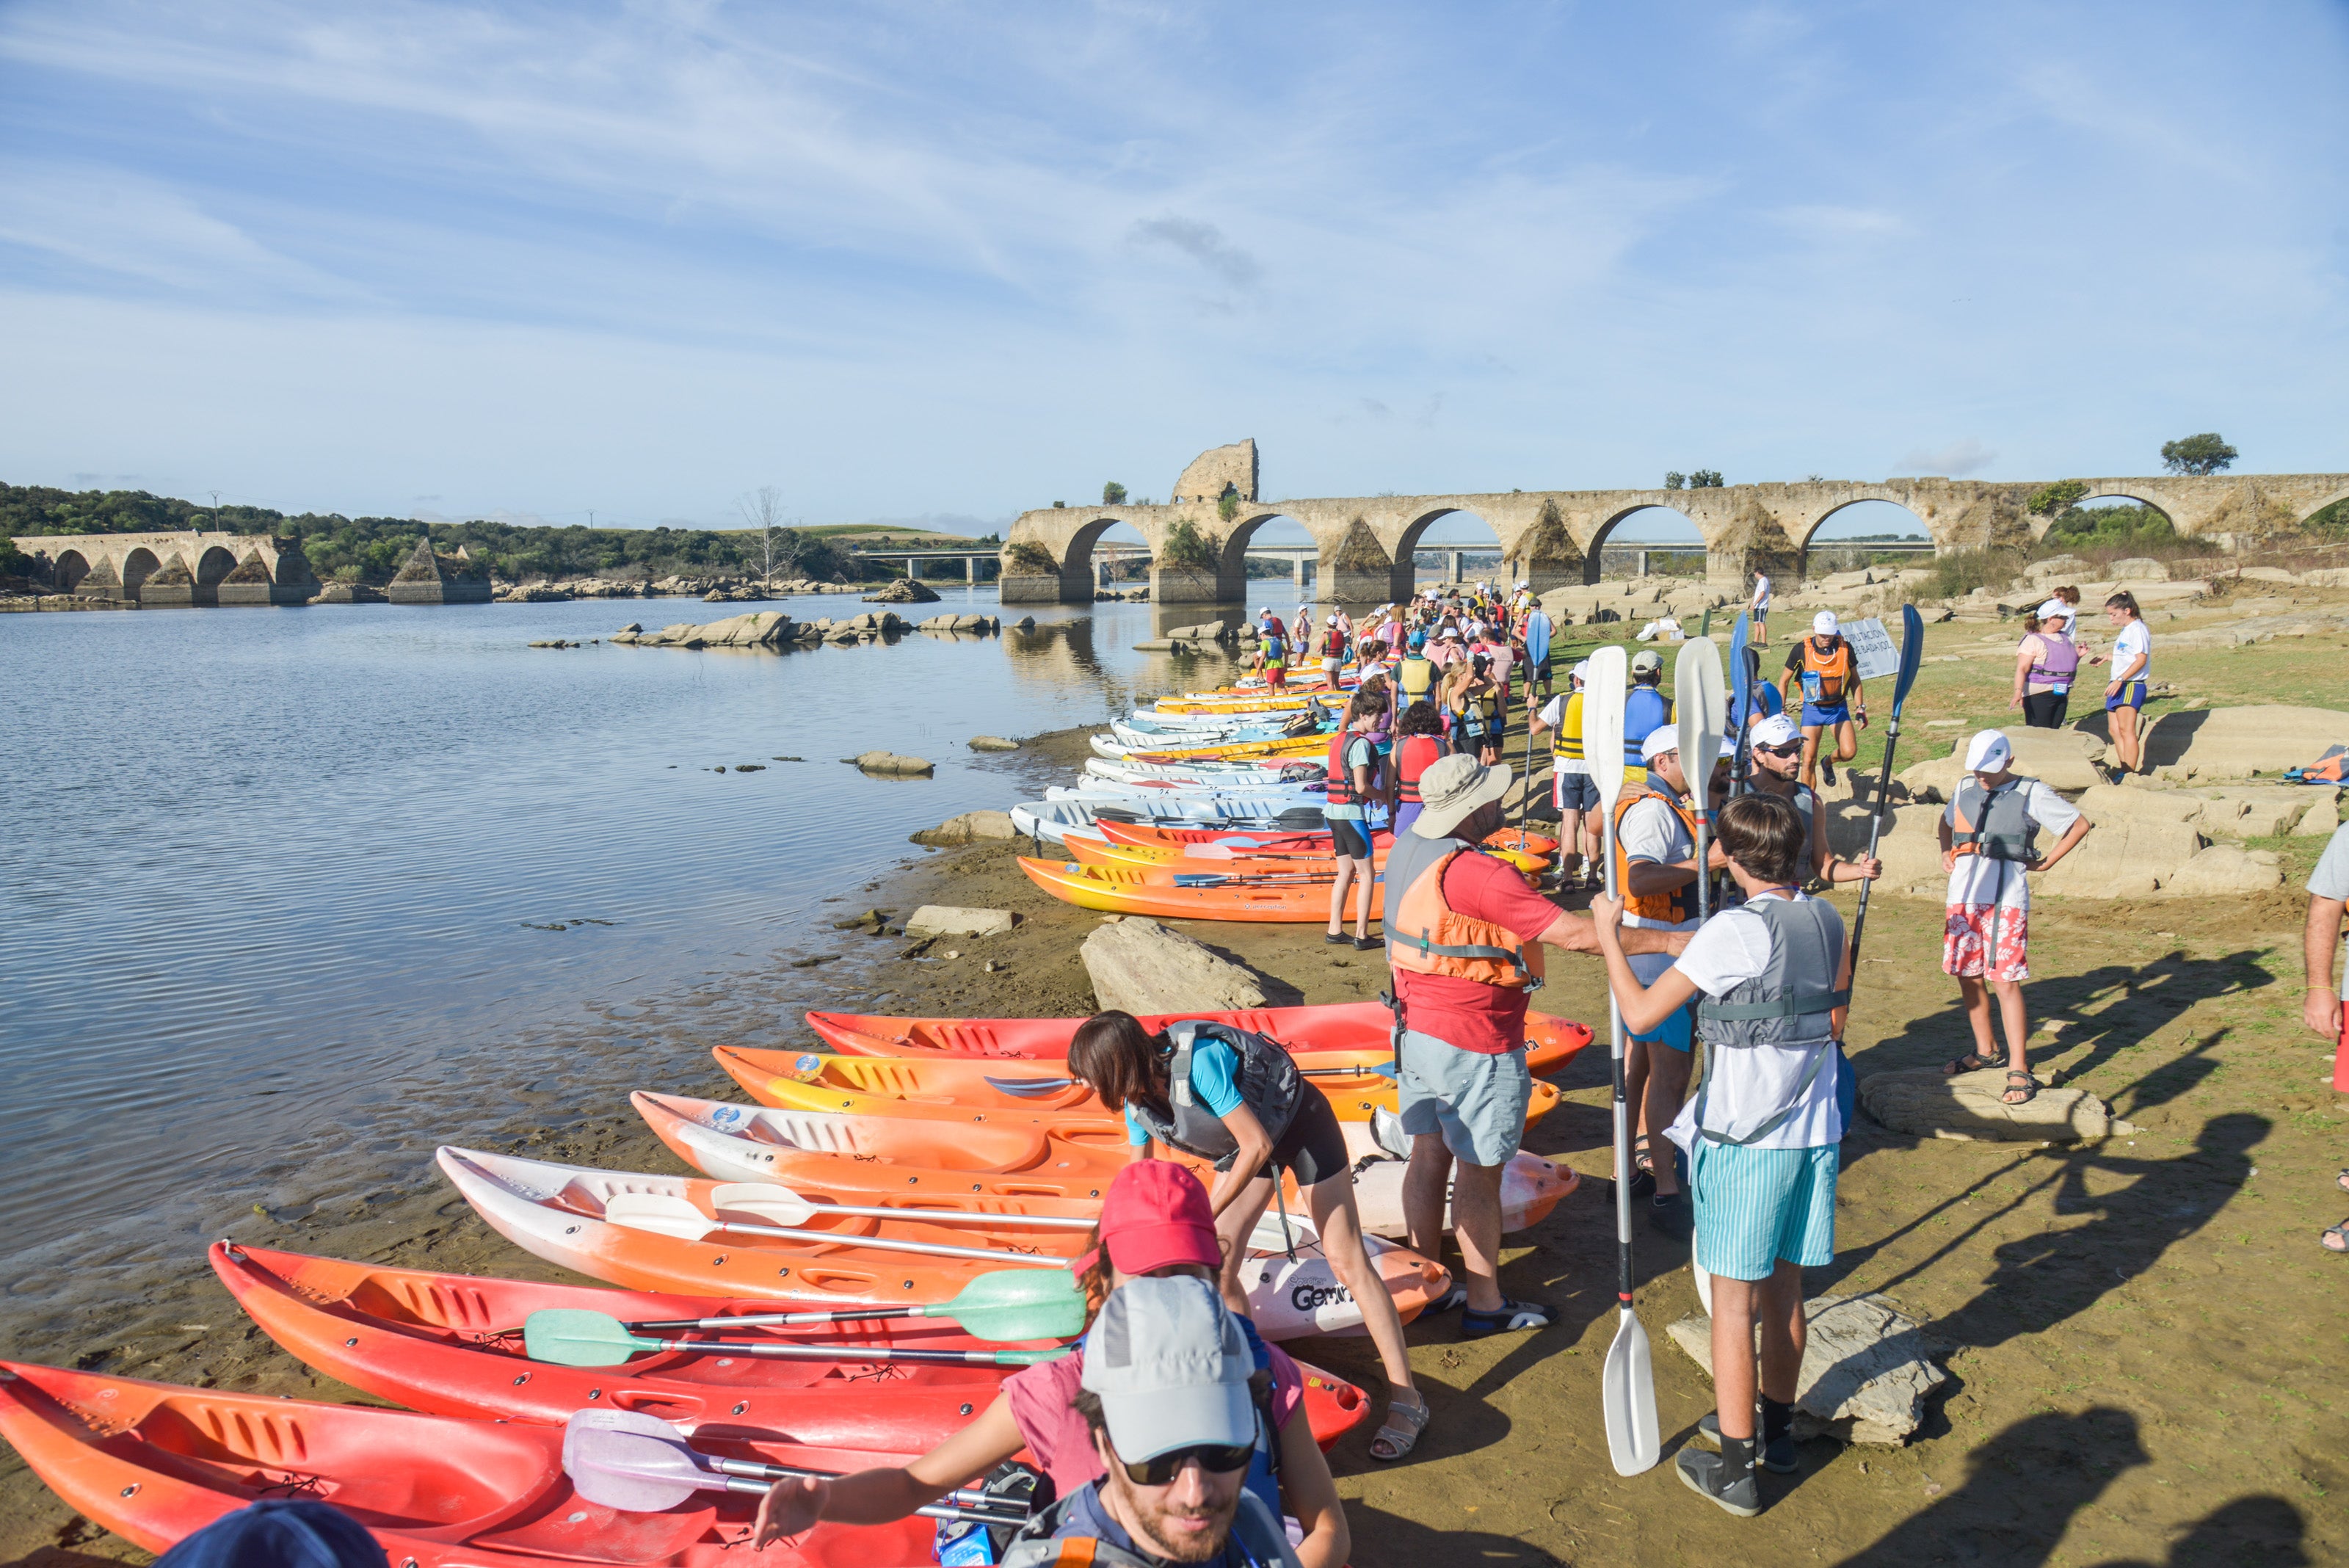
(1011, 1304)
(634, 1463)
(779, 1205)
(1912, 654)
(576, 1337)
(666, 1215)
(1628, 1382)
(1696, 691)
(1741, 700)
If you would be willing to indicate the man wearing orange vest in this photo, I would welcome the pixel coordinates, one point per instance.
(1655, 873)
(1823, 673)
(1465, 936)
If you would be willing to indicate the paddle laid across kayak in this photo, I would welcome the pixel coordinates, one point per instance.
(1269, 840)
(1242, 860)
(1293, 899)
(155, 1462)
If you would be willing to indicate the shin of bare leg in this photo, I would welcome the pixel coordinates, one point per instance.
(1666, 1086)
(1732, 1354)
(1477, 1225)
(1232, 1229)
(1784, 1331)
(1331, 1204)
(1424, 1181)
(1977, 1001)
(2018, 1029)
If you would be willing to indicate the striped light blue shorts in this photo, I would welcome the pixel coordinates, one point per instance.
(1756, 1206)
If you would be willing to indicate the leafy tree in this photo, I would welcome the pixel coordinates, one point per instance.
(1674, 480)
(1113, 493)
(1186, 547)
(1705, 479)
(2204, 453)
(1228, 504)
(2055, 498)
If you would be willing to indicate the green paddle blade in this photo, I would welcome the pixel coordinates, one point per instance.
(575, 1337)
(1023, 1303)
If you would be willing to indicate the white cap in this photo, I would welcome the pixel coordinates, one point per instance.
(2055, 609)
(1581, 672)
(1776, 730)
(1170, 1368)
(1823, 624)
(1662, 739)
(1988, 751)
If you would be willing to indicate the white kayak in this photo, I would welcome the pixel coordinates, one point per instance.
(1052, 821)
(1210, 775)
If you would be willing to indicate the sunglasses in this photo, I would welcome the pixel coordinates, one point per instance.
(1160, 1470)
(1790, 749)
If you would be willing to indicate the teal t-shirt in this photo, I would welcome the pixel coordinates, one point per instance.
(1215, 1084)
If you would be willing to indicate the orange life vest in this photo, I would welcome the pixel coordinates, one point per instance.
(1680, 903)
(1425, 936)
(1832, 671)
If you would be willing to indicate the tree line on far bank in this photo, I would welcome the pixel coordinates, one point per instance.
(372, 549)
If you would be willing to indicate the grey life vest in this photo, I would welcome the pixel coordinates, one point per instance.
(1994, 824)
(1791, 1002)
(1255, 1530)
(1269, 1086)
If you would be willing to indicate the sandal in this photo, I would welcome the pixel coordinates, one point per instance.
(1398, 1434)
(2341, 1181)
(1503, 1319)
(2028, 1088)
(1971, 1062)
(2335, 1238)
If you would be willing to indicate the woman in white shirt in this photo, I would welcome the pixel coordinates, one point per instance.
(2132, 662)
(1759, 608)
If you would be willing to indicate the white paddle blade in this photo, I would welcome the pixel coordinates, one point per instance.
(1603, 691)
(658, 1213)
(1701, 710)
(1634, 1442)
(762, 1202)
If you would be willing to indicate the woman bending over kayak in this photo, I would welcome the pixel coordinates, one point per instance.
(1236, 1098)
(1155, 1224)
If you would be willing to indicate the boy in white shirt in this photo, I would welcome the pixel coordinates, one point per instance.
(1771, 979)
(1989, 846)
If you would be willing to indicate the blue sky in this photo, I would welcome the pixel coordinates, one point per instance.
(951, 261)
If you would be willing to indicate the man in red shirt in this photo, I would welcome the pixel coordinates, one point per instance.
(1464, 938)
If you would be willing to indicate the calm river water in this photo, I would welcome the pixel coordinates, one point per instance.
(277, 880)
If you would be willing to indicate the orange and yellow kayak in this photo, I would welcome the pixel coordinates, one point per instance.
(1208, 858)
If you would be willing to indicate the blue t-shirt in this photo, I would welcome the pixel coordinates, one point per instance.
(1215, 1082)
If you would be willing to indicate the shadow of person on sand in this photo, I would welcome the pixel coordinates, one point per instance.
(2049, 1276)
(2259, 1530)
(1391, 1541)
(2022, 1489)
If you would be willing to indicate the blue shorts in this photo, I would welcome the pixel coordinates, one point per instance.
(1678, 1032)
(1816, 717)
(2130, 696)
(1577, 792)
(1757, 1206)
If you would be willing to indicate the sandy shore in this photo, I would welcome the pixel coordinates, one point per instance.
(2142, 1337)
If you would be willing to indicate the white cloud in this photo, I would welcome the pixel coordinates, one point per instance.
(1955, 461)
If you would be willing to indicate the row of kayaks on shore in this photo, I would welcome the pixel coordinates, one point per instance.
(906, 1165)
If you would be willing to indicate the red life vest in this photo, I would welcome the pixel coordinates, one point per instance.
(1341, 777)
(1414, 756)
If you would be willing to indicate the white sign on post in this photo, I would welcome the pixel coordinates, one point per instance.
(1872, 648)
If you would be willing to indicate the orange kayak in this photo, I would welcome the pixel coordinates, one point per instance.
(993, 1084)
(1550, 1040)
(1212, 858)
(1284, 841)
(1132, 889)
(775, 1078)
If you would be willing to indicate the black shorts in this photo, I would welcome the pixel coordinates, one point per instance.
(1347, 838)
(1314, 1147)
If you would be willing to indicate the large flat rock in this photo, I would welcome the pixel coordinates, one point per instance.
(2063, 759)
(1140, 966)
(1865, 1376)
(953, 921)
(1923, 1103)
(2234, 743)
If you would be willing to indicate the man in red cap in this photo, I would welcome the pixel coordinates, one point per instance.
(1154, 1223)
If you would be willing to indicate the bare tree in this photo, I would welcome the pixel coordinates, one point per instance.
(763, 509)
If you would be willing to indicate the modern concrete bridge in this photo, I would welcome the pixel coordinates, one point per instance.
(1364, 545)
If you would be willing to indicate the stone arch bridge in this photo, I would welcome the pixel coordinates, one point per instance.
(182, 569)
(1552, 537)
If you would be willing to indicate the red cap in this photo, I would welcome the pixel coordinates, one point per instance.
(1156, 1213)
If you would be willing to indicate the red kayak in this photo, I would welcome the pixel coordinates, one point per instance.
(155, 1462)
(451, 1345)
(1270, 841)
(1551, 1041)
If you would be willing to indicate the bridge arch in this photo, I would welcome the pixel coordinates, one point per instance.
(217, 562)
(1689, 535)
(2306, 513)
(1232, 580)
(1413, 539)
(1810, 540)
(137, 566)
(1077, 560)
(67, 570)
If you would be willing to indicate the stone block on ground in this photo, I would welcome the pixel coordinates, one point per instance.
(971, 827)
(992, 743)
(2137, 569)
(2225, 870)
(1924, 1103)
(2062, 758)
(952, 921)
(2233, 743)
(2322, 817)
(1865, 1376)
(891, 762)
(2253, 811)
(1141, 966)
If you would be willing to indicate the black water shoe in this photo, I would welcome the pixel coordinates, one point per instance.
(1725, 1478)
